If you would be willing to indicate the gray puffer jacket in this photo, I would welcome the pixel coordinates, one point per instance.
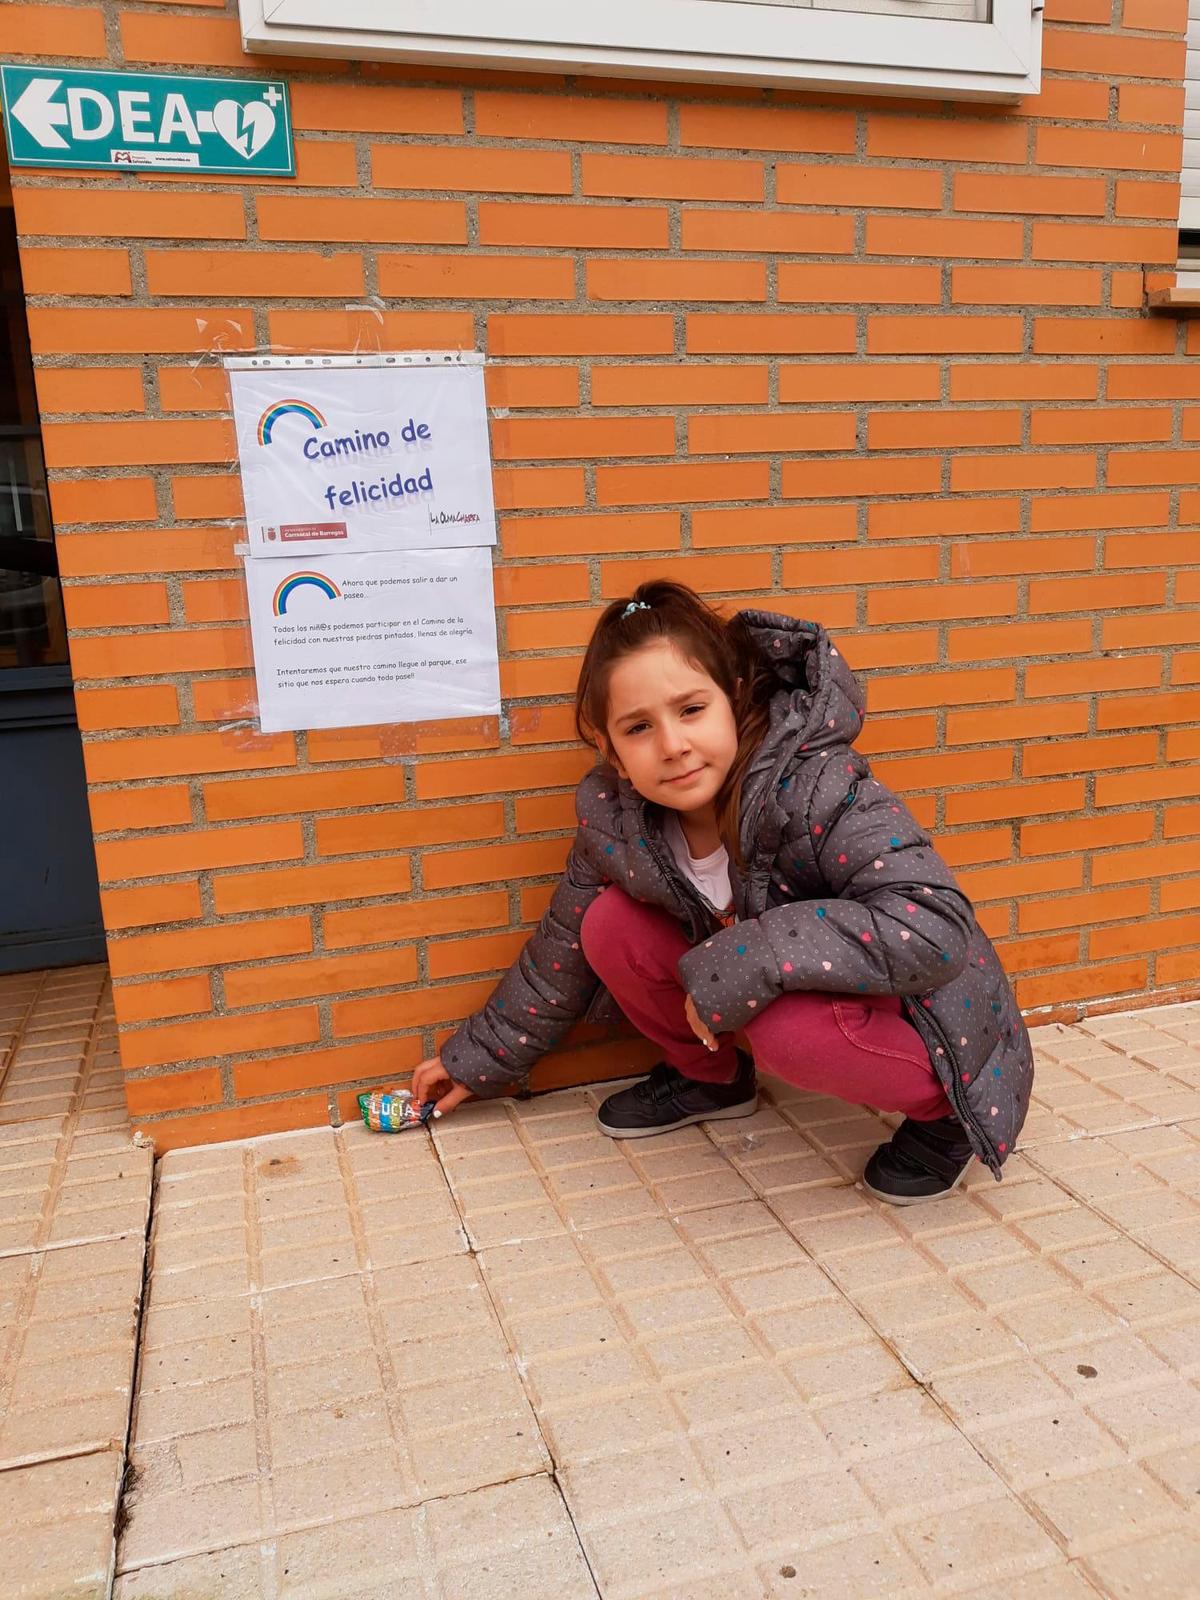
(843, 892)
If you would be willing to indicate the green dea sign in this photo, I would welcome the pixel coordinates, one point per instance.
(176, 122)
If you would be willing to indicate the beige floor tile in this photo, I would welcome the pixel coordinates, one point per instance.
(58, 1527)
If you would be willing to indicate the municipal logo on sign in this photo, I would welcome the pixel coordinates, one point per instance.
(60, 117)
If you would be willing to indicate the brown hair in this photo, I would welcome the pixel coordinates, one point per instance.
(724, 650)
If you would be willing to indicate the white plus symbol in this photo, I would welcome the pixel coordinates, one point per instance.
(272, 96)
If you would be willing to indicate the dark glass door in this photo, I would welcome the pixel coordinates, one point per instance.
(49, 900)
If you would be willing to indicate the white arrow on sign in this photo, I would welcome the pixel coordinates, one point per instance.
(38, 116)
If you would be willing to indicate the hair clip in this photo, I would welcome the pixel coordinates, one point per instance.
(634, 605)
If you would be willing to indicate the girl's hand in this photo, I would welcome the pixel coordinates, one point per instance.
(431, 1081)
(699, 1028)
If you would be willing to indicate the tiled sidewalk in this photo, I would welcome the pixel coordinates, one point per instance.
(74, 1202)
(523, 1360)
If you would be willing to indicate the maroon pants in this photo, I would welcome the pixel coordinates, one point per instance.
(857, 1047)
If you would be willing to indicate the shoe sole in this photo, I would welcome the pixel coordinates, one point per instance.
(746, 1109)
(914, 1199)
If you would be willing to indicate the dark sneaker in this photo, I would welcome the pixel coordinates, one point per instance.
(666, 1100)
(922, 1161)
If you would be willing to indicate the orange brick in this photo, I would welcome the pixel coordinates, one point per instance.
(676, 280)
(150, 904)
(589, 438)
(184, 650)
(430, 1003)
(110, 389)
(707, 383)
(538, 387)
(384, 1061)
(40, 30)
(1025, 286)
(1069, 100)
(853, 283)
(1086, 833)
(171, 1091)
(470, 168)
(1148, 632)
(139, 954)
(1019, 639)
(492, 863)
(605, 333)
(973, 474)
(116, 605)
(803, 480)
(671, 178)
(372, 221)
(373, 108)
(1148, 711)
(300, 980)
(757, 434)
(1074, 241)
(1107, 149)
(1077, 910)
(1088, 755)
(1151, 103)
(1153, 200)
(1112, 55)
(944, 601)
(1160, 933)
(125, 328)
(50, 271)
(541, 813)
(576, 227)
(1100, 592)
(219, 495)
(437, 780)
(1032, 196)
(91, 501)
(177, 755)
(144, 706)
(912, 773)
(914, 518)
(292, 793)
(309, 885)
(530, 489)
(1180, 821)
(134, 443)
(1026, 955)
(1102, 336)
(1182, 894)
(447, 913)
(995, 558)
(815, 382)
(903, 564)
(1050, 514)
(238, 1122)
(444, 277)
(128, 214)
(581, 118)
(750, 333)
(683, 482)
(381, 830)
(541, 584)
(943, 689)
(1017, 800)
(164, 997)
(956, 335)
(1101, 424)
(944, 236)
(1146, 467)
(929, 138)
(1151, 550)
(365, 329)
(215, 600)
(769, 232)
(706, 574)
(771, 128)
(983, 725)
(931, 430)
(773, 525)
(1092, 677)
(460, 957)
(262, 273)
(168, 855)
(580, 535)
(190, 1041)
(163, 806)
(850, 186)
(1185, 667)
(1012, 882)
(1156, 861)
(900, 733)
(1082, 983)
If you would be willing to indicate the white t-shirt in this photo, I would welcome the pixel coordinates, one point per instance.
(710, 873)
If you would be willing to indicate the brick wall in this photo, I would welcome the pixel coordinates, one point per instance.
(880, 362)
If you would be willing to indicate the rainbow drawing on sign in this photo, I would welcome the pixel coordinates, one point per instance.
(288, 587)
(283, 408)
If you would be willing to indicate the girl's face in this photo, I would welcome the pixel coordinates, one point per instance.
(671, 729)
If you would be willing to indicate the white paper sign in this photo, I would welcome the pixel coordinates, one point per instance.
(363, 458)
(350, 640)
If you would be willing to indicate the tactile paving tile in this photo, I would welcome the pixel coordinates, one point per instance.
(58, 1527)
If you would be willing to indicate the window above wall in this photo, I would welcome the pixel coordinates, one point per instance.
(964, 49)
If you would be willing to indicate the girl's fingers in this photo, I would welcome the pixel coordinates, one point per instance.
(448, 1102)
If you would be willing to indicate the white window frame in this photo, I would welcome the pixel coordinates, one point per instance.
(727, 41)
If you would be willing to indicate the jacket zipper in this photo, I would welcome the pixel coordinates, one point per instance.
(687, 897)
(955, 1094)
